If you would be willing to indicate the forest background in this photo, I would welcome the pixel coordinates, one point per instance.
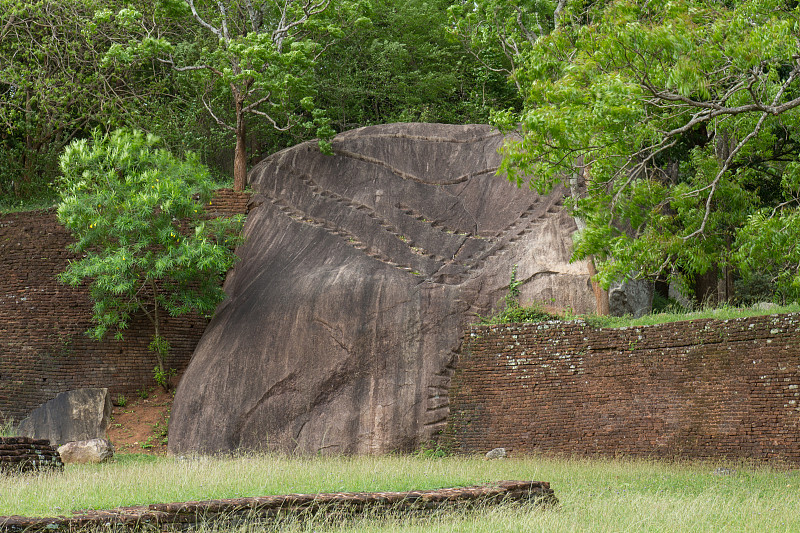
(672, 124)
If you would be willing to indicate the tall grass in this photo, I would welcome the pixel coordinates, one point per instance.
(595, 495)
(719, 313)
(7, 427)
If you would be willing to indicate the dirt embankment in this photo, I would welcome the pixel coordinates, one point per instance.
(140, 425)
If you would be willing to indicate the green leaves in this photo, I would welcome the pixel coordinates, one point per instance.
(137, 214)
(671, 120)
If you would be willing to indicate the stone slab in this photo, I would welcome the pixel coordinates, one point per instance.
(75, 415)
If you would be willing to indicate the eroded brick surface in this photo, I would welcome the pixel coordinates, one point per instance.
(184, 513)
(43, 346)
(23, 454)
(702, 389)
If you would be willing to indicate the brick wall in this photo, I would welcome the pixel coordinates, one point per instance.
(43, 346)
(700, 389)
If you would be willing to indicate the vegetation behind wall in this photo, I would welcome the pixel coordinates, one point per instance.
(43, 346)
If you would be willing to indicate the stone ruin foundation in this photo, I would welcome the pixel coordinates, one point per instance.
(24, 454)
(181, 516)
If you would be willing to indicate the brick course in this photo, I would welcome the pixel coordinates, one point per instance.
(237, 512)
(43, 347)
(23, 454)
(699, 389)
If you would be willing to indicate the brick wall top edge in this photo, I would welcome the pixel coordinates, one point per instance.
(791, 318)
(220, 194)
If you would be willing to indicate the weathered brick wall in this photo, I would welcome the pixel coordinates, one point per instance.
(43, 346)
(23, 454)
(706, 388)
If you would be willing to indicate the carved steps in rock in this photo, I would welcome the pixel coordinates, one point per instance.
(385, 224)
(530, 223)
(341, 233)
(437, 225)
(438, 401)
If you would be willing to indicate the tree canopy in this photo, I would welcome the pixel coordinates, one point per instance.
(674, 124)
(137, 214)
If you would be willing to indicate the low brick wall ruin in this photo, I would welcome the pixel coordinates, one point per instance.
(181, 515)
(43, 347)
(23, 454)
(700, 389)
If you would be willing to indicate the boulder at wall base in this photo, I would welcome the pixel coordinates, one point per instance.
(360, 271)
(75, 415)
(633, 298)
(86, 451)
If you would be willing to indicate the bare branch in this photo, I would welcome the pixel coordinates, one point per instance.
(729, 159)
(529, 35)
(257, 103)
(557, 13)
(7, 26)
(310, 8)
(216, 118)
(224, 14)
(209, 27)
(252, 14)
(272, 121)
(172, 64)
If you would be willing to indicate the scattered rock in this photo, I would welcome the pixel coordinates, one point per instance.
(86, 451)
(75, 415)
(360, 271)
(632, 298)
(496, 453)
(765, 306)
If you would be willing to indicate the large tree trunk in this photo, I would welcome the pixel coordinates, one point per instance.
(240, 155)
(577, 185)
(706, 287)
(602, 306)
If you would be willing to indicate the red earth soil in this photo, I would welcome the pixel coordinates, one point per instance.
(140, 425)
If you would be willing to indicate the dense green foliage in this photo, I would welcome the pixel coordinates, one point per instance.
(247, 57)
(232, 81)
(405, 66)
(136, 212)
(51, 86)
(674, 125)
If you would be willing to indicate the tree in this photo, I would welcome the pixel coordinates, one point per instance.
(680, 120)
(55, 85)
(251, 57)
(405, 66)
(136, 213)
(39, 93)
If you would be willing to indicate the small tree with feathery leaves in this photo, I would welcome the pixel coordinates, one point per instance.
(137, 214)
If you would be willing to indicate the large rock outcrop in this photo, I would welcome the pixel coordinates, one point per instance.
(359, 273)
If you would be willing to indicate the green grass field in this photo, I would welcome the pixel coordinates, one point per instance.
(595, 494)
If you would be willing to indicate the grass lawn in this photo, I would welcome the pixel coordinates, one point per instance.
(595, 494)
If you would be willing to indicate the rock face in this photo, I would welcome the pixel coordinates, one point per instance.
(634, 298)
(86, 451)
(360, 271)
(80, 414)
